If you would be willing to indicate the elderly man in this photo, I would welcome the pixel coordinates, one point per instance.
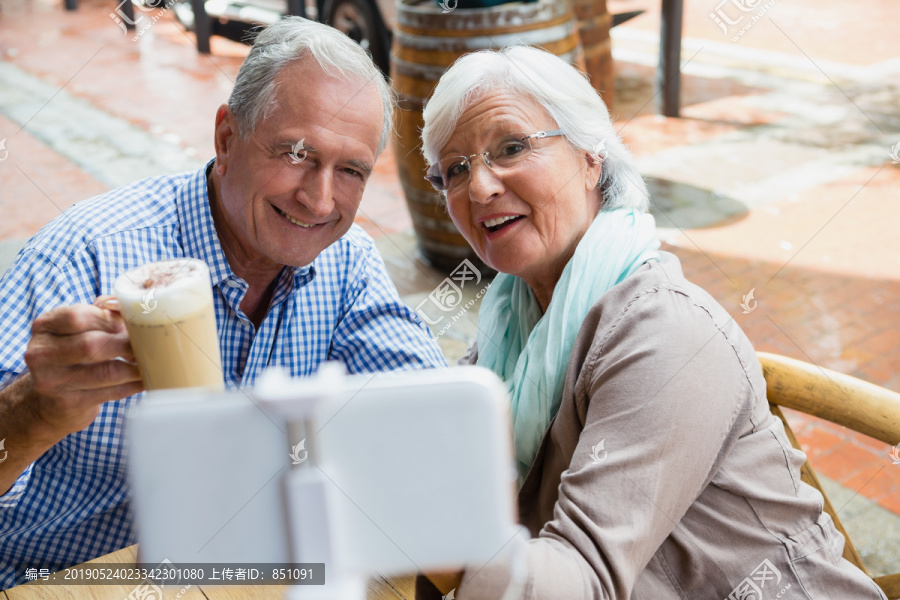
(295, 284)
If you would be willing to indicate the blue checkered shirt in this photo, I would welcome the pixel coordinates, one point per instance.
(71, 504)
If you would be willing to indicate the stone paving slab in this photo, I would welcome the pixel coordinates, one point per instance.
(36, 183)
(104, 146)
(873, 529)
(830, 32)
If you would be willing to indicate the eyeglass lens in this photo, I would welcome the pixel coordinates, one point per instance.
(503, 153)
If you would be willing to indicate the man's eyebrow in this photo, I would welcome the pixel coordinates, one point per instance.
(362, 166)
(365, 167)
(291, 143)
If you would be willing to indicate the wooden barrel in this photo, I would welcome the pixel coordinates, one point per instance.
(594, 22)
(426, 42)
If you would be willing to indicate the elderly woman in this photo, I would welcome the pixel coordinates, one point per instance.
(650, 466)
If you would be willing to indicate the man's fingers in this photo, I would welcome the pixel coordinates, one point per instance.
(79, 408)
(108, 302)
(115, 392)
(78, 318)
(68, 383)
(101, 375)
(49, 351)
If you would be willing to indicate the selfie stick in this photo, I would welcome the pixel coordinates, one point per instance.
(310, 516)
(313, 527)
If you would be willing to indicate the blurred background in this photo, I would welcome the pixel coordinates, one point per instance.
(777, 185)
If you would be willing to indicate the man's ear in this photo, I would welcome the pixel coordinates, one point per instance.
(593, 170)
(226, 133)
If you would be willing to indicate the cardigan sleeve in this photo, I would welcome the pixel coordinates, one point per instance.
(663, 386)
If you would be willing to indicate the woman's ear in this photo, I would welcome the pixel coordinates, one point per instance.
(593, 169)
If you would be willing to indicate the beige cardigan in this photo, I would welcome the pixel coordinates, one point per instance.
(696, 493)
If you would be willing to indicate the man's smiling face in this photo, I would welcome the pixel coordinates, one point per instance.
(279, 210)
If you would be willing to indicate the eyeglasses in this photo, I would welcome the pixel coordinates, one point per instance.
(504, 153)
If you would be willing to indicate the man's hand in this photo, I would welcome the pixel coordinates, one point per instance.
(72, 359)
(78, 358)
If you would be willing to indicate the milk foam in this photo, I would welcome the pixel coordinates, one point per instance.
(163, 291)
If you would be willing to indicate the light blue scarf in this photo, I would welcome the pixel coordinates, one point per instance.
(530, 352)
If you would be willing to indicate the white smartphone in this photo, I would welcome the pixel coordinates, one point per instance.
(418, 469)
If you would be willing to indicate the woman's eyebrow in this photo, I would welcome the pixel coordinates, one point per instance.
(502, 126)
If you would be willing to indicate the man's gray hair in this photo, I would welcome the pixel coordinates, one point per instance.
(562, 90)
(291, 39)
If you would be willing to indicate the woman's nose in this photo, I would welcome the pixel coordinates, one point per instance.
(484, 182)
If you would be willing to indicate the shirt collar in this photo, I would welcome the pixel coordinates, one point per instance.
(200, 239)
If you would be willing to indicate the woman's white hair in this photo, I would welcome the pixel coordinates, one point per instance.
(255, 92)
(562, 90)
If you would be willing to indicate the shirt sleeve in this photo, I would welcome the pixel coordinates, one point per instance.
(377, 332)
(664, 388)
(11, 498)
(31, 286)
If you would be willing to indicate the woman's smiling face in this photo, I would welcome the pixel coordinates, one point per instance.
(550, 197)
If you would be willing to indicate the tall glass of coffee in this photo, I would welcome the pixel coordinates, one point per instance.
(171, 321)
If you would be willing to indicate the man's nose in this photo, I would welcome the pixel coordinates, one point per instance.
(316, 193)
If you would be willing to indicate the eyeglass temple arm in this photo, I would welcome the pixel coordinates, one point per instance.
(543, 134)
